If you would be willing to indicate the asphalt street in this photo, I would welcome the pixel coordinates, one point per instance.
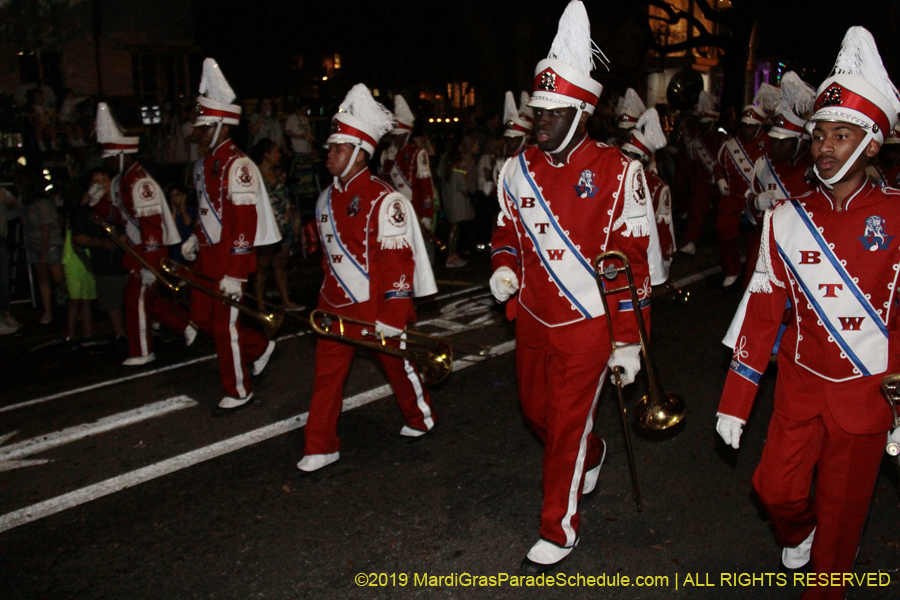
(120, 484)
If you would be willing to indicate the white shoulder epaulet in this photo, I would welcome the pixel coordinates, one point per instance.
(243, 182)
(393, 221)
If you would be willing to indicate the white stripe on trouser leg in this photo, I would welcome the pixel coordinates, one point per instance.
(236, 352)
(575, 485)
(417, 386)
(142, 322)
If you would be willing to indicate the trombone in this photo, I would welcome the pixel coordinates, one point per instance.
(432, 353)
(658, 410)
(118, 241)
(270, 322)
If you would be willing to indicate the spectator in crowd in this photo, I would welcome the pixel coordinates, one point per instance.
(106, 256)
(82, 289)
(40, 119)
(267, 155)
(68, 119)
(8, 323)
(185, 213)
(298, 129)
(264, 124)
(460, 181)
(43, 245)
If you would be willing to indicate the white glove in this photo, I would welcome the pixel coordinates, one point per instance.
(189, 248)
(504, 284)
(95, 193)
(722, 184)
(426, 222)
(387, 330)
(629, 358)
(893, 442)
(765, 201)
(231, 287)
(730, 429)
(147, 277)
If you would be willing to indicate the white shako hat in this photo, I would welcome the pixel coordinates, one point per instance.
(859, 92)
(647, 135)
(518, 121)
(403, 116)
(797, 99)
(706, 107)
(629, 109)
(360, 120)
(764, 102)
(109, 134)
(563, 79)
(216, 97)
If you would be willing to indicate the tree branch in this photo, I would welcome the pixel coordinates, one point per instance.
(678, 15)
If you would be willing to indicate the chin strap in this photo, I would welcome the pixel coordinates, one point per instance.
(216, 137)
(829, 183)
(350, 162)
(121, 161)
(575, 121)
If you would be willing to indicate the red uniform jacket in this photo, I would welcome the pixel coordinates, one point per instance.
(221, 178)
(139, 198)
(736, 160)
(556, 219)
(703, 150)
(839, 269)
(662, 208)
(410, 174)
(788, 178)
(366, 277)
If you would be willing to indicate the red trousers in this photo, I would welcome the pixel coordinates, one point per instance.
(142, 305)
(702, 194)
(237, 346)
(846, 468)
(560, 371)
(728, 228)
(333, 360)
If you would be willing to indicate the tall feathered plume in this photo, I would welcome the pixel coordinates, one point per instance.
(631, 103)
(572, 44)
(859, 56)
(213, 84)
(524, 109)
(106, 127)
(509, 107)
(360, 103)
(651, 131)
(706, 102)
(797, 96)
(401, 109)
(767, 97)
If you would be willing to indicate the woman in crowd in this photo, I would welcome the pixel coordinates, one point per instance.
(43, 244)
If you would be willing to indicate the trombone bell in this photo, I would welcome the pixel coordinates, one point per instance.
(659, 414)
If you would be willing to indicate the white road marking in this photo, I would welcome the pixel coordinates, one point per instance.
(188, 459)
(697, 277)
(43, 443)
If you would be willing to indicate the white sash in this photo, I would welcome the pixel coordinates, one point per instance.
(767, 177)
(210, 219)
(865, 341)
(739, 158)
(703, 154)
(571, 272)
(350, 275)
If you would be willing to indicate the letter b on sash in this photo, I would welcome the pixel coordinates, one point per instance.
(810, 257)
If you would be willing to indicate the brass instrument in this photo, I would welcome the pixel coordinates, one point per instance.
(891, 393)
(429, 236)
(657, 410)
(434, 356)
(270, 322)
(118, 241)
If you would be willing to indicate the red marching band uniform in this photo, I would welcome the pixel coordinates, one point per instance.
(375, 262)
(408, 168)
(838, 265)
(703, 141)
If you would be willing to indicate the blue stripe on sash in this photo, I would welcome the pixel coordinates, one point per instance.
(344, 250)
(741, 171)
(775, 175)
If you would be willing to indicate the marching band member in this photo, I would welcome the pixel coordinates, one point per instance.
(832, 254)
(629, 109)
(518, 124)
(406, 164)
(375, 262)
(786, 171)
(234, 216)
(645, 138)
(703, 141)
(149, 230)
(885, 170)
(562, 203)
(734, 171)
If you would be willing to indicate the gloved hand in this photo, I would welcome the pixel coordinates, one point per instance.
(426, 222)
(893, 442)
(96, 193)
(231, 287)
(730, 429)
(765, 201)
(387, 330)
(189, 248)
(504, 284)
(147, 277)
(722, 184)
(629, 358)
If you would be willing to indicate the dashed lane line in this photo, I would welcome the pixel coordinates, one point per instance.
(188, 459)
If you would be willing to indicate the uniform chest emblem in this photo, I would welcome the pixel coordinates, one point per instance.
(585, 187)
(875, 237)
(396, 214)
(354, 206)
(146, 191)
